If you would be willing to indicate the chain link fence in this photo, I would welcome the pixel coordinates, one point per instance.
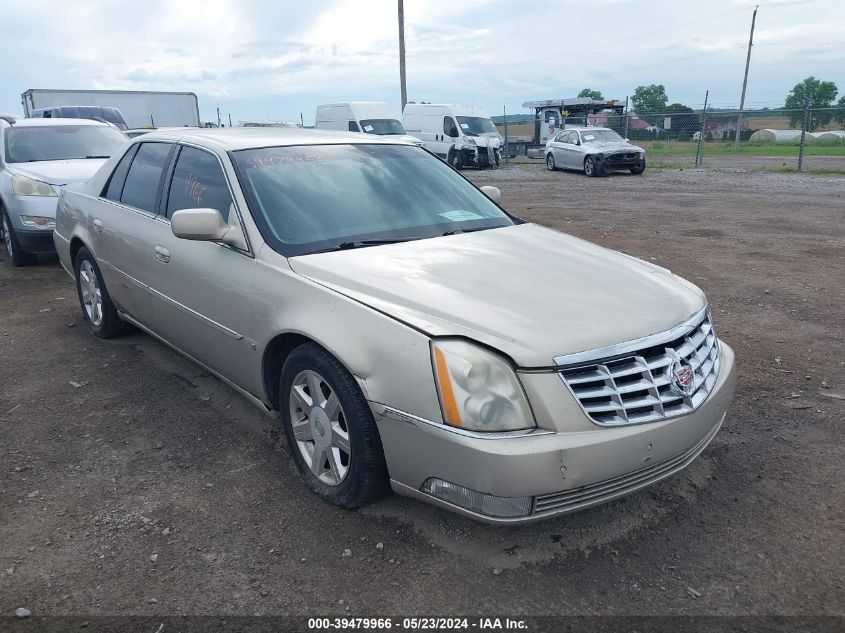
(808, 139)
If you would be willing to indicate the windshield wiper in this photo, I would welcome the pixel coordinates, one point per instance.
(98, 157)
(346, 246)
(459, 231)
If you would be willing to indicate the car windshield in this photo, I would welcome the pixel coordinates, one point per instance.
(600, 136)
(382, 126)
(314, 198)
(476, 125)
(61, 142)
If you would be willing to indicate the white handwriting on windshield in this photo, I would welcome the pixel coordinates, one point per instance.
(257, 162)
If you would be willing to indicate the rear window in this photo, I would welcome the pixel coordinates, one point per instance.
(61, 142)
(141, 187)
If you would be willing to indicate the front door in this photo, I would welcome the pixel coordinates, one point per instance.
(201, 297)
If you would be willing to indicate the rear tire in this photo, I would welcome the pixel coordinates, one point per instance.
(550, 162)
(97, 307)
(16, 254)
(335, 443)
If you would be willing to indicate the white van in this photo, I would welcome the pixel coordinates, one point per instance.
(368, 117)
(462, 135)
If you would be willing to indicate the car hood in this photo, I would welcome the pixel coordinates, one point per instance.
(528, 291)
(59, 172)
(487, 140)
(611, 147)
(407, 138)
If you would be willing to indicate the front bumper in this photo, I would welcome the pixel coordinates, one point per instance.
(613, 162)
(39, 241)
(561, 471)
(32, 240)
(479, 156)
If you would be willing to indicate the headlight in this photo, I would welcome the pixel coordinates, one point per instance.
(469, 141)
(478, 389)
(23, 186)
(40, 221)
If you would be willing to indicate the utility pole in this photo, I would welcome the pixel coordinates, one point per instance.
(505, 116)
(745, 80)
(218, 116)
(402, 54)
(699, 159)
(230, 119)
(626, 117)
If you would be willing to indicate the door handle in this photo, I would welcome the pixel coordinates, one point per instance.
(162, 254)
(98, 225)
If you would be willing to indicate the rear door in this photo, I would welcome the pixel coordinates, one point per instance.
(123, 225)
(201, 290)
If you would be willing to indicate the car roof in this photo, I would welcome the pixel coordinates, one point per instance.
(38, 122)
(233, 139)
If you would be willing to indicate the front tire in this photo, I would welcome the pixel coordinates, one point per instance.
(97, 307)
(638, 169)
(550, 162)
(330, 429)
(13, 247)
(455, 159)
(591, 167)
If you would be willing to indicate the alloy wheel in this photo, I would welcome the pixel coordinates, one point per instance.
(588, 167)
(92, 295)
(550, 162)
(320, 427)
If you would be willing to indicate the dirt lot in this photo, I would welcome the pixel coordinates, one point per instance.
(132, 482)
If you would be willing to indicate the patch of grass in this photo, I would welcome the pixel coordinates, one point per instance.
(818, 171)
(679, 148)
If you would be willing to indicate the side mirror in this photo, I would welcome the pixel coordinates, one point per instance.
(204, 225)
(492, 192)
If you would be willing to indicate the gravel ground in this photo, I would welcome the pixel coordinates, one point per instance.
(135, 483)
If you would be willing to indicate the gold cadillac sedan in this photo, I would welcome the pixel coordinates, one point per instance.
(404, 329)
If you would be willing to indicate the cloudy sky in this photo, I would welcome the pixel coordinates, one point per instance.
(275, 59)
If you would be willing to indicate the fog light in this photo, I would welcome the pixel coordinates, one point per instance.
(506, 507)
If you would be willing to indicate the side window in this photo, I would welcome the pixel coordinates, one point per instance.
(353, 127)
(449, 127)
(118, 176)
(141, 187)
(198, 181)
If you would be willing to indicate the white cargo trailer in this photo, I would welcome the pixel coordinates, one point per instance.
(140, 108)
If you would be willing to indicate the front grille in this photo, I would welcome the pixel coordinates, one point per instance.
(640, 386)
(577, 498)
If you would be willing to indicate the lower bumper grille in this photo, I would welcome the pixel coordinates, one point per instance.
(624, 484)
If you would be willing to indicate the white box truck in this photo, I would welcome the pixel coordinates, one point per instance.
(140, 108)
(460, 134)
(367, 117)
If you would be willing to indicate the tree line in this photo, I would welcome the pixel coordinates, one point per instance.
(651, 103)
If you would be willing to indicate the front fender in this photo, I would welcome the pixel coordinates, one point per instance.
(390, 360)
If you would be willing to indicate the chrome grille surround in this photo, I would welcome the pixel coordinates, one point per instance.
(632, 382)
